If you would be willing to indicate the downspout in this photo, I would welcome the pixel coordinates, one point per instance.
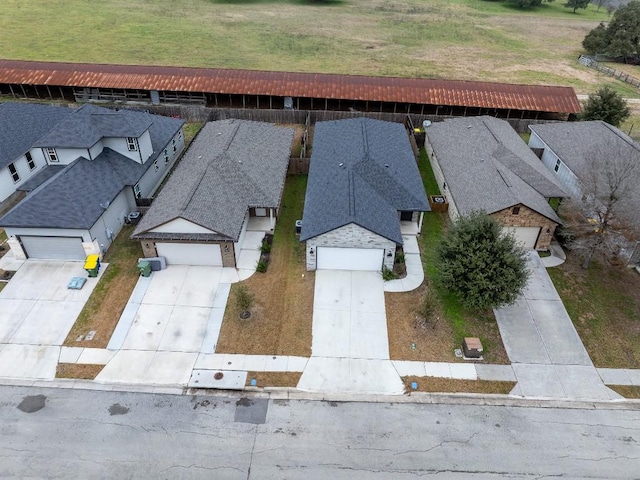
(420, 222)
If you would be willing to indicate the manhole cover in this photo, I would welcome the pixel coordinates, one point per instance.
(218, 376)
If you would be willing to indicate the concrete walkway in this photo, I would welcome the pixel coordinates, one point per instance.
(547, 355)
(413, 263)
(557, 257)
(350, 346)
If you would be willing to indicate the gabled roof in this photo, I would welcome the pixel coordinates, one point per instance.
(362, 171)
(232, 165)
(575, 142)
(22, 124)
(488, 167)
(90, 123)
(72, 197)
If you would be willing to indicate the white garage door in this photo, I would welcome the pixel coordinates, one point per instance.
(190, 254)
(53, 248)
(526, 236)
(349, 258)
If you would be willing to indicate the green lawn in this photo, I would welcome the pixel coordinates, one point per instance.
(467, 39)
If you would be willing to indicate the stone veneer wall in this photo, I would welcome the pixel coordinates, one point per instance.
(350, 236)
(149, 249)
(528, 218)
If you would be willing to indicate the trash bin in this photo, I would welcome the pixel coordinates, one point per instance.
(92, 265)
(145, 268)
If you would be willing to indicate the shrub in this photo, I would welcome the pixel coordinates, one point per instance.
(261, 266)
(388, 274)
(400, 258)
(265, 247)
(244, 299)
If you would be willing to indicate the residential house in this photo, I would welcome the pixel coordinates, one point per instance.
(21, 126)
(482, 164)
(234, 170)
(364, 191)
(92, 165)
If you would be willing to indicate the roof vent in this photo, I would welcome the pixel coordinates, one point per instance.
(386, 165)
(341, 164)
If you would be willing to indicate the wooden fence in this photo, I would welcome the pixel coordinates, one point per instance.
(620, 75)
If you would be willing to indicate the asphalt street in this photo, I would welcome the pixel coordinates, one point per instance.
(57, 433)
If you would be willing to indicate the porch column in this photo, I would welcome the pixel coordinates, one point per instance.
(271, 219)
(420, 222)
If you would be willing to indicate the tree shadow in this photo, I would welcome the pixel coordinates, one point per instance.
(315, 3)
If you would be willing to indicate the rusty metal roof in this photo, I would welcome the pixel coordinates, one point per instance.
(540, 98)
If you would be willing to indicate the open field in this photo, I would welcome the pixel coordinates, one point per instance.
(462, 39)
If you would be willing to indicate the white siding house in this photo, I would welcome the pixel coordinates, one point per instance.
(92, 162)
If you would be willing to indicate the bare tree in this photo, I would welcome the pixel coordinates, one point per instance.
(606, 216)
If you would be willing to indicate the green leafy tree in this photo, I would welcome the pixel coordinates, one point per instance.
(606, 105)
(527, 3)
(596, 40)
(576, 4)
(482, 265)
(621, 38)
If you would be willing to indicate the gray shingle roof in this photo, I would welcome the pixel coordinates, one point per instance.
(575, 142)
(72, 197)
(362, 171)
(90, 123)
(42, 176)
(22, 124)
(487, 166)
(230, 166)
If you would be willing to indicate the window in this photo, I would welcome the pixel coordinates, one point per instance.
(557, 167)
(30, 161)
(136, 191)
(166, 156)
(51, 154)
(132, 144)
(14, 173)
(515, 210)
(155, 164)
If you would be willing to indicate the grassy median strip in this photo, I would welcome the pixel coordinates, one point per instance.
(78, 371)
(274, 379)
(453, 385)
(105, 305)
(627, 391)
(281, 317)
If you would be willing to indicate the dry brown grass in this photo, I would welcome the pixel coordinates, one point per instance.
(451, 385)
(627, 391)
(274, 379)
(77, 370)
(436, 341)
(105, 305)
(280, 322)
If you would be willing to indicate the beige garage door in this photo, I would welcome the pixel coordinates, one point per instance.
(526, 236)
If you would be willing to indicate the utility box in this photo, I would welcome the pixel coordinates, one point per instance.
(472, 347)
(133, 218)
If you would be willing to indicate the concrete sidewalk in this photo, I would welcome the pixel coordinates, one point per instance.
(547, 355)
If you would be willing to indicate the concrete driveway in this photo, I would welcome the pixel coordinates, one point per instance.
(36, 313)
(350, 346)
(171, 317)
(547, 355)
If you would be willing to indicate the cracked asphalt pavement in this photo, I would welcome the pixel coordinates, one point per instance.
(58, 433)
